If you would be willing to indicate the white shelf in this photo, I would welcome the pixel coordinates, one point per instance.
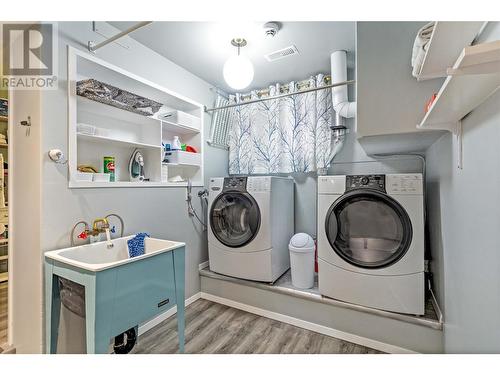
(108, 111)
(90, 66)
(124, 129)
(107, 140)
(125, 184)
(183, 165)
(4, 257)
(4, 276)
(447, 41)
(474, 79)
(173, 127)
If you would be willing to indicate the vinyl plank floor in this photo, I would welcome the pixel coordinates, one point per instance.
(217, 329)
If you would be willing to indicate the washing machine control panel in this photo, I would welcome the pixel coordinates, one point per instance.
(366, 181)
(235, 183)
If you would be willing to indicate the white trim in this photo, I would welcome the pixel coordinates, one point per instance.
(328, 331)
(143, 328)
(203, 265)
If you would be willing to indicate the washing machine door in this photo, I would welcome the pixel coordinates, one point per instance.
(368, 229)
(235, 218)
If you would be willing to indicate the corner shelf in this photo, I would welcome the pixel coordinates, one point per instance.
(125, 130)
(447, 41)
(473, 79)
(475, 76)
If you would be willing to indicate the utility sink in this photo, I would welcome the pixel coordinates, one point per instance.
(120, 293)
(97, 256)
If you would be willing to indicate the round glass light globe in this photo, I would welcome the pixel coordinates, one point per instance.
(238, 72)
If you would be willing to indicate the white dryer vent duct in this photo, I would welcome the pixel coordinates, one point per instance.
(341, 103)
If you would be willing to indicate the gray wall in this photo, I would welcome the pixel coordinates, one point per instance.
(463, 208)
(161, 212)
(391, 100)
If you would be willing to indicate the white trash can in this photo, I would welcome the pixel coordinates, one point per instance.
(302, 260)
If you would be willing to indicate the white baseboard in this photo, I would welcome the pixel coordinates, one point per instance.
(167, 314)
(203, 265)
(328, 331)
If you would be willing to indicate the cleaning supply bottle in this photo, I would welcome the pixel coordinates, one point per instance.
(176, 144)
(109, 167)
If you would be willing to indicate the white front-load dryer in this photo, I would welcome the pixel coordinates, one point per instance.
(251, 220)
(371, 240)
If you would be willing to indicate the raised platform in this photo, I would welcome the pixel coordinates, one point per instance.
(381, 330)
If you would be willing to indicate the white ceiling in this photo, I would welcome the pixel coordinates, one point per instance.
(203, 47)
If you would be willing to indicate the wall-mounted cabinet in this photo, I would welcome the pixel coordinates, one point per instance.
(97, 130)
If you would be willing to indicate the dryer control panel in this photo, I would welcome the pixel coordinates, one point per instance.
(405, 184)
(259, 184)
(366, 181)
(235, 183)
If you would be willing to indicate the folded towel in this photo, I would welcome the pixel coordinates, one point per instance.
(420, 47)
(136, 245)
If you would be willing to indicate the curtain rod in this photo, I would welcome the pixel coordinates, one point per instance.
(92, 47)
(281, 96)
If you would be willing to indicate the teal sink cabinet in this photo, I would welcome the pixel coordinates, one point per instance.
(120, 292)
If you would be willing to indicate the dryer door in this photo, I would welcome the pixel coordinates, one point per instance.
(368, 228)
(235, 218)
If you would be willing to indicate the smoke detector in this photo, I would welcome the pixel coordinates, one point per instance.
(271, 29)
(282, 53)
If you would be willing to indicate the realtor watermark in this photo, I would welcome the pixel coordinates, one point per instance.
(29, 56)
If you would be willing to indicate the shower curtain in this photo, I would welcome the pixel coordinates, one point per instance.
(284, 135)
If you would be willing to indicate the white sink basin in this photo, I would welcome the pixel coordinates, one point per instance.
(97, 257)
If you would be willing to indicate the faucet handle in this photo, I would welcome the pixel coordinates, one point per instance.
(83, 235)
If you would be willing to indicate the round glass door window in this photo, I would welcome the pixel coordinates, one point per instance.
(235, 218)
(368, 229)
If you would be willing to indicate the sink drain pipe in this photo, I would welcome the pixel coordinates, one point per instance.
(125, 342)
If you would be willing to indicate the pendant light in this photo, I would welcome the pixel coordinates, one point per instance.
(238, 70)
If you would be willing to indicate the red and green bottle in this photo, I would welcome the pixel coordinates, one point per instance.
(109, 167)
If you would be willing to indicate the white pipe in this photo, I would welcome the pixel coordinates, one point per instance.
(341, 103)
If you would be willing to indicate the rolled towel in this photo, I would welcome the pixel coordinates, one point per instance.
(420, 47)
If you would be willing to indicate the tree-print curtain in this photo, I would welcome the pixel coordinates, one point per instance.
(284, 135)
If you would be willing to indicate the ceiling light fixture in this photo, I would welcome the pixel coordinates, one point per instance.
(238, 70)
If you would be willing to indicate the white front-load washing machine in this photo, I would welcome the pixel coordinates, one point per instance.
(371, 240)
(251, 220)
